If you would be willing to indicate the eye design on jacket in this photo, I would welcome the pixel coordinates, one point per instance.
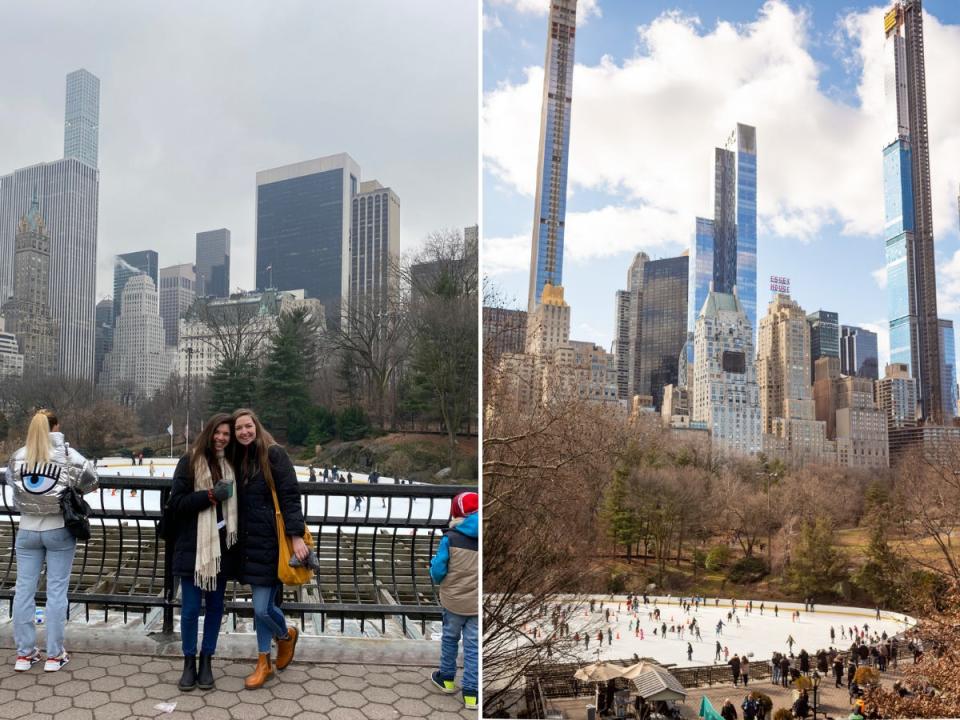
(41, 479)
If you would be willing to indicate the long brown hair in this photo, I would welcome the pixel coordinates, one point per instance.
(263, 442)
(202, 448)
(38, 437)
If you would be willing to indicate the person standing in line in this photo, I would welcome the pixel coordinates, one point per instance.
(203, 504)
(728, 711)
(734, 664)
(745, 670)
(261, 465)
(40, 473)
(455, 570)
(838, 671)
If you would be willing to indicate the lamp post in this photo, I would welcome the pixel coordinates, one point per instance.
(186, 434)
(816, 687)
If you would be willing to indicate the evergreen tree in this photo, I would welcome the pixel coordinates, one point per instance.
(233, 384)
(623, 522)
(285, 382)
(880, 576)
(816, 567)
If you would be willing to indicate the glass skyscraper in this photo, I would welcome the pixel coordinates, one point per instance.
(303, 229)
(824, 336)
(663, 324)
(858, 352)
(546, 253)
(948, 369)
(82, 117)
(911, 275)
(213, 263)
(725, 248)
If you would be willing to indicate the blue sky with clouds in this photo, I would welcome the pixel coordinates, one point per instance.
(657, 86)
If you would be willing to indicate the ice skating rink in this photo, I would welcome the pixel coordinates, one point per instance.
(336, 507)
(757, 635)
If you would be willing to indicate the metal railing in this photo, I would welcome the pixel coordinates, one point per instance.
(374, 560)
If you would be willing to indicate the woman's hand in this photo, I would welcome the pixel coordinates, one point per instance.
(300, 548)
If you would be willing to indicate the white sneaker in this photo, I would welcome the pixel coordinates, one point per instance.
(55, 663)
(25, 662)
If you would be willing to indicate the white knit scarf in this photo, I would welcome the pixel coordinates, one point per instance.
(207, 565)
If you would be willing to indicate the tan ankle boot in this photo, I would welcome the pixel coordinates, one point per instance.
(285, 648)
(261, 673)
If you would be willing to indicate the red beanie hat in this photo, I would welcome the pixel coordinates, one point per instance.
(465, 503)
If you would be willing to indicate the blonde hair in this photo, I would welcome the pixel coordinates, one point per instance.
(38, 437)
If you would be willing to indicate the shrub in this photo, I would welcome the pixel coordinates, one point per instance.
(699, 558)
(617, 583)
(352, 424)
(718, 558)
(867, 676)
(747, 570)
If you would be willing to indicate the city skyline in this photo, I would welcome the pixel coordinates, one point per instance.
(632, 193)
(182, 135)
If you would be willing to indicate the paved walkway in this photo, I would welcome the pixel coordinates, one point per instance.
(118, 687)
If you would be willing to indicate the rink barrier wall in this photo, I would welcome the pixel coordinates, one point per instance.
(373, 567)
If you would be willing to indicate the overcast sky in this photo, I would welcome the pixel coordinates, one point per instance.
(658, 85)
(195, 98)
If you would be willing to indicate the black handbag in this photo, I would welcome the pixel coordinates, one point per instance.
(76, 513)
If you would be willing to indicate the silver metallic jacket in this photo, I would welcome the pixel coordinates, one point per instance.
(37, 490)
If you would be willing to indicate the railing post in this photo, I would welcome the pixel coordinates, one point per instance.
(169, 586)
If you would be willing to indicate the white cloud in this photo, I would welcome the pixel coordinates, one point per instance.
(491, 22)
(597, 233)
(645, 127)
(948, 286)
(585, 8)
(880, 277)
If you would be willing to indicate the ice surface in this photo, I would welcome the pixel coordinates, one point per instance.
(759, 636)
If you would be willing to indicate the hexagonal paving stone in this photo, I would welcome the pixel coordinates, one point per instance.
(56, 705)
(347, 714)
(348, 682)
(33, 693)
(380, 695)
(221, 698)
(123, 670)
(17, 682)
(311, 716)
(141, 679)
(322, 672)
(246, 711)
(386, 680)
(348, 699)
(352, 670)
(79, 714)
(228, 683)
(89, 672)
(417, 708)
(444, 702)
(6, 696)
(91, 699)
(375, 711)
(317, 703)
(409, 676)
(127, 695)
(113, 711)
(15, 709)
(108, 684)
(409, 690)
(281, 707)
(294, 675)
(239, 670)
(104, 661)
(155, 667)
(211, 713)
(289, 691)
(71, 688)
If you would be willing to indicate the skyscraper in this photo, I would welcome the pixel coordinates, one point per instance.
(68, 192)
(213, 263)
(303, 229)
(139, 364)
(178, 285)
(81, 127)
(725, 248)
(663, 325)
(858, 352)
(824, 337)
(897, 396)
(948, 369)
(374, 246)
(103, 335)
(786, 397)
(628, 322)
(726, 396)
(546, 251)
(28, 312)
(911, 274)
(128, 265)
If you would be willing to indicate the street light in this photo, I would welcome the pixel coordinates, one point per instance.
(816, 686)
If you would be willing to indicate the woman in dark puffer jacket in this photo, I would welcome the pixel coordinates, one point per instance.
(205, 508)
(260, 463)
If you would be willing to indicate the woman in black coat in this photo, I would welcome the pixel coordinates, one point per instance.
(203, 506)
(262, 463)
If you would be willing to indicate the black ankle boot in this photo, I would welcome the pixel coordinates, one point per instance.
(205, 672)
(188, 681)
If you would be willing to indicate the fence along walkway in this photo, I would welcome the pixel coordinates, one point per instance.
(374, 564)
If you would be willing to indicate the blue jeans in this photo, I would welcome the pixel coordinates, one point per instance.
(190, 615)
(33, 546)
(267, 617)
(455, 626)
